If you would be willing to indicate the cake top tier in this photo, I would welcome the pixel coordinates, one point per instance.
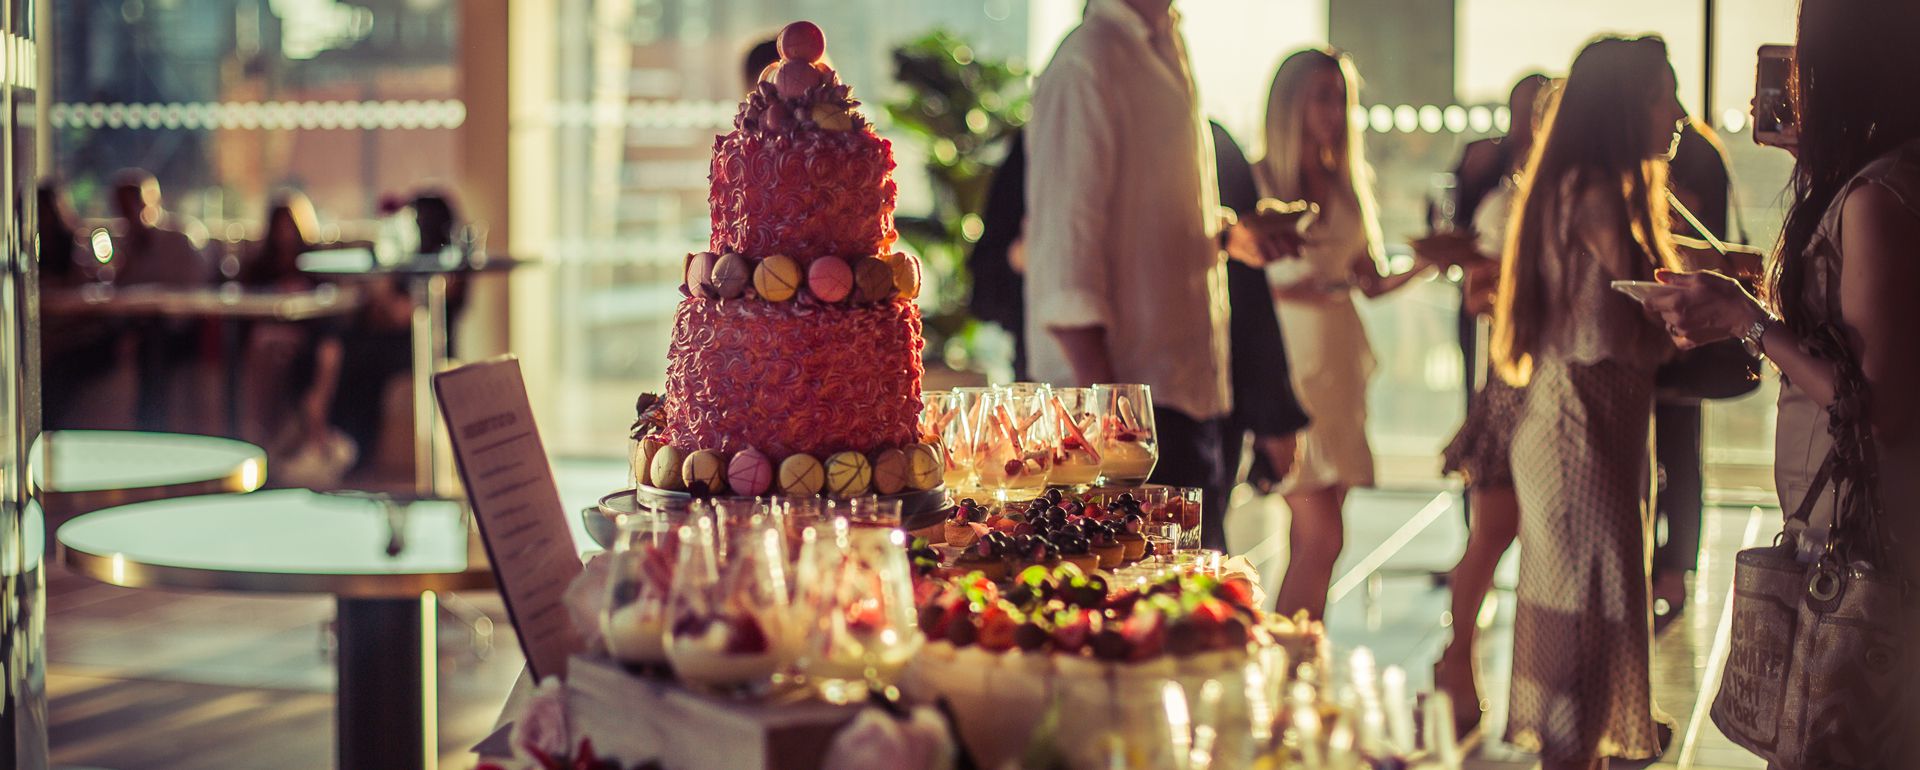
(802, 175)
(800, 92)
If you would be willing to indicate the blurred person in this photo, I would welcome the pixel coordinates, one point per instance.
(1125, 281)
(74, 352)
(147, 250)
(1481, 451)
(1839, 292)
(996, 262)
(1265, 410)
(1699, 178)
(758, 57)
(292, 370)
(1315, 154)
(1591, 209)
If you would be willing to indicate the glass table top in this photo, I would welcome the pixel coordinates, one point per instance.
(74, 461)
(285, 540)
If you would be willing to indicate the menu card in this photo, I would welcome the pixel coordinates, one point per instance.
(510, 485)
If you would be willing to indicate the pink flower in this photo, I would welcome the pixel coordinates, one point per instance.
(541, 732)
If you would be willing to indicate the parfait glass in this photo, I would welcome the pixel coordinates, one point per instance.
(729, 621)
(1128, 445)
(1177, 505)
(633, 623)
(934, 412)
(1076, 463)
(853, 612)
(1015, 441)
(965, 408)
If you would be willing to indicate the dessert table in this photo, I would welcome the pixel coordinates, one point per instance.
(382, 560)
(84, 470)
(426, 277)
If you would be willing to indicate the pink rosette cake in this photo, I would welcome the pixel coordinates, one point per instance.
(799, 334)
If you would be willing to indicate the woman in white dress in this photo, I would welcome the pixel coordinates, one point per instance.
(1314, 153)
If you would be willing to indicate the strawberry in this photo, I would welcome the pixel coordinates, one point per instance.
(997, 627)
(1073, 630)
(1146, 633)
(1238, 593)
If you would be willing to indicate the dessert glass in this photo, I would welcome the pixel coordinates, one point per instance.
(853, 613)
(1128, 445)
(1015, 441)
(1076, 463)
(633, 622)
(965, 407)
(868, 511)
(1178, 505)
(728, 632)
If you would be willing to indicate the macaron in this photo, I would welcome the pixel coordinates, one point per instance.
(704, 472)
(699, 273)
(749, 473)
(925, 466)
(731, 274)
(795, 77)
(872, 280)
(643, 464)
(889, 471)
(802, 41)
(848, 474)
(667, 469)
(801, 476)
(777, 278)
(830, 279)
(906, 273)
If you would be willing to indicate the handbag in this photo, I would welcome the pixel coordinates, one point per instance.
(1811, 678)
(1716, 370)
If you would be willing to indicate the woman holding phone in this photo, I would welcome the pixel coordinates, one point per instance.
(1591, 209)
(1846, 260)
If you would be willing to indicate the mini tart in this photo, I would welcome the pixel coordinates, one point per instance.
(960, 534)
(1134, 545)
(993, 568)
(1111, 556)
(1085, 561)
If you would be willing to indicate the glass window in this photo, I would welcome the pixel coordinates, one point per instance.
(225, 101)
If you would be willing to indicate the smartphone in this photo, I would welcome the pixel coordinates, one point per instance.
(1775, 122)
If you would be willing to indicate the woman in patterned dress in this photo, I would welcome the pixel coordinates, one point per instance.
(1591, 210)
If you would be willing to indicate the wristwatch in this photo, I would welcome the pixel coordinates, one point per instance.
(1753, 337)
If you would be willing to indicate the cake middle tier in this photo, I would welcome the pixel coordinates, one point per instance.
(805, 195)
(787, 378)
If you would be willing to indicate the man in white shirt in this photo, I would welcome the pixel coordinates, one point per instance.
(1125, 281)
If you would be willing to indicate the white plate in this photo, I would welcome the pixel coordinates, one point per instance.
(1641, 291)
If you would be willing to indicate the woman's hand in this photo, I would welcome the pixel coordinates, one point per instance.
(1448, 249)
(1707, 308)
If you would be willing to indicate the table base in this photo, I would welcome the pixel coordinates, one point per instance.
(386, 711)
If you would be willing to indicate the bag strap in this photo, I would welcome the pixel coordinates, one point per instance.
(1852, 466)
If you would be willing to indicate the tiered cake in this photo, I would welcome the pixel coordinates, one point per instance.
(795, 361)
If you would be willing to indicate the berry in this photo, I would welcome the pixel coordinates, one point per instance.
(960, 632)
(747, 637)
(1071, 634)
(1053, 496)
(1030, 637)
(997, 629)
(1109, 644)
(794, 78)
(802, 41)
(1015, 467)
(1235, 592)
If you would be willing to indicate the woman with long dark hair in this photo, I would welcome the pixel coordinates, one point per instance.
(1591, 210)
(1314, 153)
(1846, 257)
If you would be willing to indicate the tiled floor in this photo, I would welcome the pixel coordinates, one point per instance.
(149, 679)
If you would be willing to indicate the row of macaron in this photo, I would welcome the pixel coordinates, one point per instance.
(750, 472)
(780, 278)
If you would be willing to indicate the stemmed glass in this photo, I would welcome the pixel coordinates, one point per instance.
(729, 621)
(1076, 464)
(1128, 445)
(639, 577)
(1015, 440)
(853, 613)
(964, 409)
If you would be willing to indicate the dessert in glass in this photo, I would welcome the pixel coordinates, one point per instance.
(1015, 441)
(634, 621)
(1177, 505)
(854, 610)
(1076, 463)
(727, 634)
(964, 408)
(1126, 440)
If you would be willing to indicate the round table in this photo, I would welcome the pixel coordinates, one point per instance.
(381, 560)
(83, 470)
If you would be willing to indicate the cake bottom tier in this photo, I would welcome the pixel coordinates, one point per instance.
(788, 378)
